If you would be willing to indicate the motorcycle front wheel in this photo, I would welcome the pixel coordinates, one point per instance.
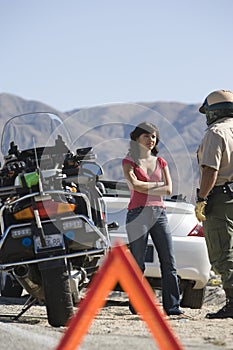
(57, 292)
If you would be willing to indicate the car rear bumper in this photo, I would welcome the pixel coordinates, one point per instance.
(191, 258)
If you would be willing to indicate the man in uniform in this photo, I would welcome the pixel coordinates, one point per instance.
(214, 205)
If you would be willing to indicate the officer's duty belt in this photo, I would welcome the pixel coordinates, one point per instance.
(221, 189)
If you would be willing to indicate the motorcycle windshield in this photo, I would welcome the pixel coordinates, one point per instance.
(33, 130)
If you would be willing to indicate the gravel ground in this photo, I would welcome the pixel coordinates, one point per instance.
(115, 327)
(193, 330)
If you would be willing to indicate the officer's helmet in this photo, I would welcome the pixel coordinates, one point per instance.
(218, 104)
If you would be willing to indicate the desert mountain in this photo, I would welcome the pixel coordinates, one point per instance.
(107, 129)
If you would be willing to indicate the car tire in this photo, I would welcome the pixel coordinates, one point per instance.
(192, 298)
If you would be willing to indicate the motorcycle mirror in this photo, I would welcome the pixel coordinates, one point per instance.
(92, 167)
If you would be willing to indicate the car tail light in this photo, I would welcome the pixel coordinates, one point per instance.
(197, 231)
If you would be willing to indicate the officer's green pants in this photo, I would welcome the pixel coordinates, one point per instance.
(218, 231)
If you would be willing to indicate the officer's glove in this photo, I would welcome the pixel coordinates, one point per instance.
(200, 210)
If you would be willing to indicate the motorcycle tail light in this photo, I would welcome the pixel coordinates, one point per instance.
(51, 208)
(197, 231)
(65, 207)
(45, 209)
(24, 214)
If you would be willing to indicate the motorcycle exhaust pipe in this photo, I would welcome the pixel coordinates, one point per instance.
(22, 275)
(77, 279)
(80, 276)
(21, 271)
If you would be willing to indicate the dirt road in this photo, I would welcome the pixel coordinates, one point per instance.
(115, 328)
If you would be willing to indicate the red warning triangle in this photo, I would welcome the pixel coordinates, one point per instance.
(119, 266)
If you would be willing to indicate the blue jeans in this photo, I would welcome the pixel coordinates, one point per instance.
(141, 222)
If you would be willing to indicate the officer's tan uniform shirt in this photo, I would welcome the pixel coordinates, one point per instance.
(216, 150)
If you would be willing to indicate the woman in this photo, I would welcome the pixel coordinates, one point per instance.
(149, 179)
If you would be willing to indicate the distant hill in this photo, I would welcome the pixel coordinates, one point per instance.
(107, 129)
(11, 105)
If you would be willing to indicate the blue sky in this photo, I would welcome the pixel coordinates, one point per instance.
(73, 53)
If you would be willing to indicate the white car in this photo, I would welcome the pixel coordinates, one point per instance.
(193, 266)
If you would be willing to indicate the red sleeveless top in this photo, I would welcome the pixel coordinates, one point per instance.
(138, 199)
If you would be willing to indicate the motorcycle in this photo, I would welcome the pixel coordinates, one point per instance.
(54, 232)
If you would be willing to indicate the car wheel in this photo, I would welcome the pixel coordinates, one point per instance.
(192, 298)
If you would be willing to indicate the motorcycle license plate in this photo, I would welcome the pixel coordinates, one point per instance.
(52, 241)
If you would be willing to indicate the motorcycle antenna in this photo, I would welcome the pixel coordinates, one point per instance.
(36, 212)
(41, 190)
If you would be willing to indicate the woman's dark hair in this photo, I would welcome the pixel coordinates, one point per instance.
(142, 128)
